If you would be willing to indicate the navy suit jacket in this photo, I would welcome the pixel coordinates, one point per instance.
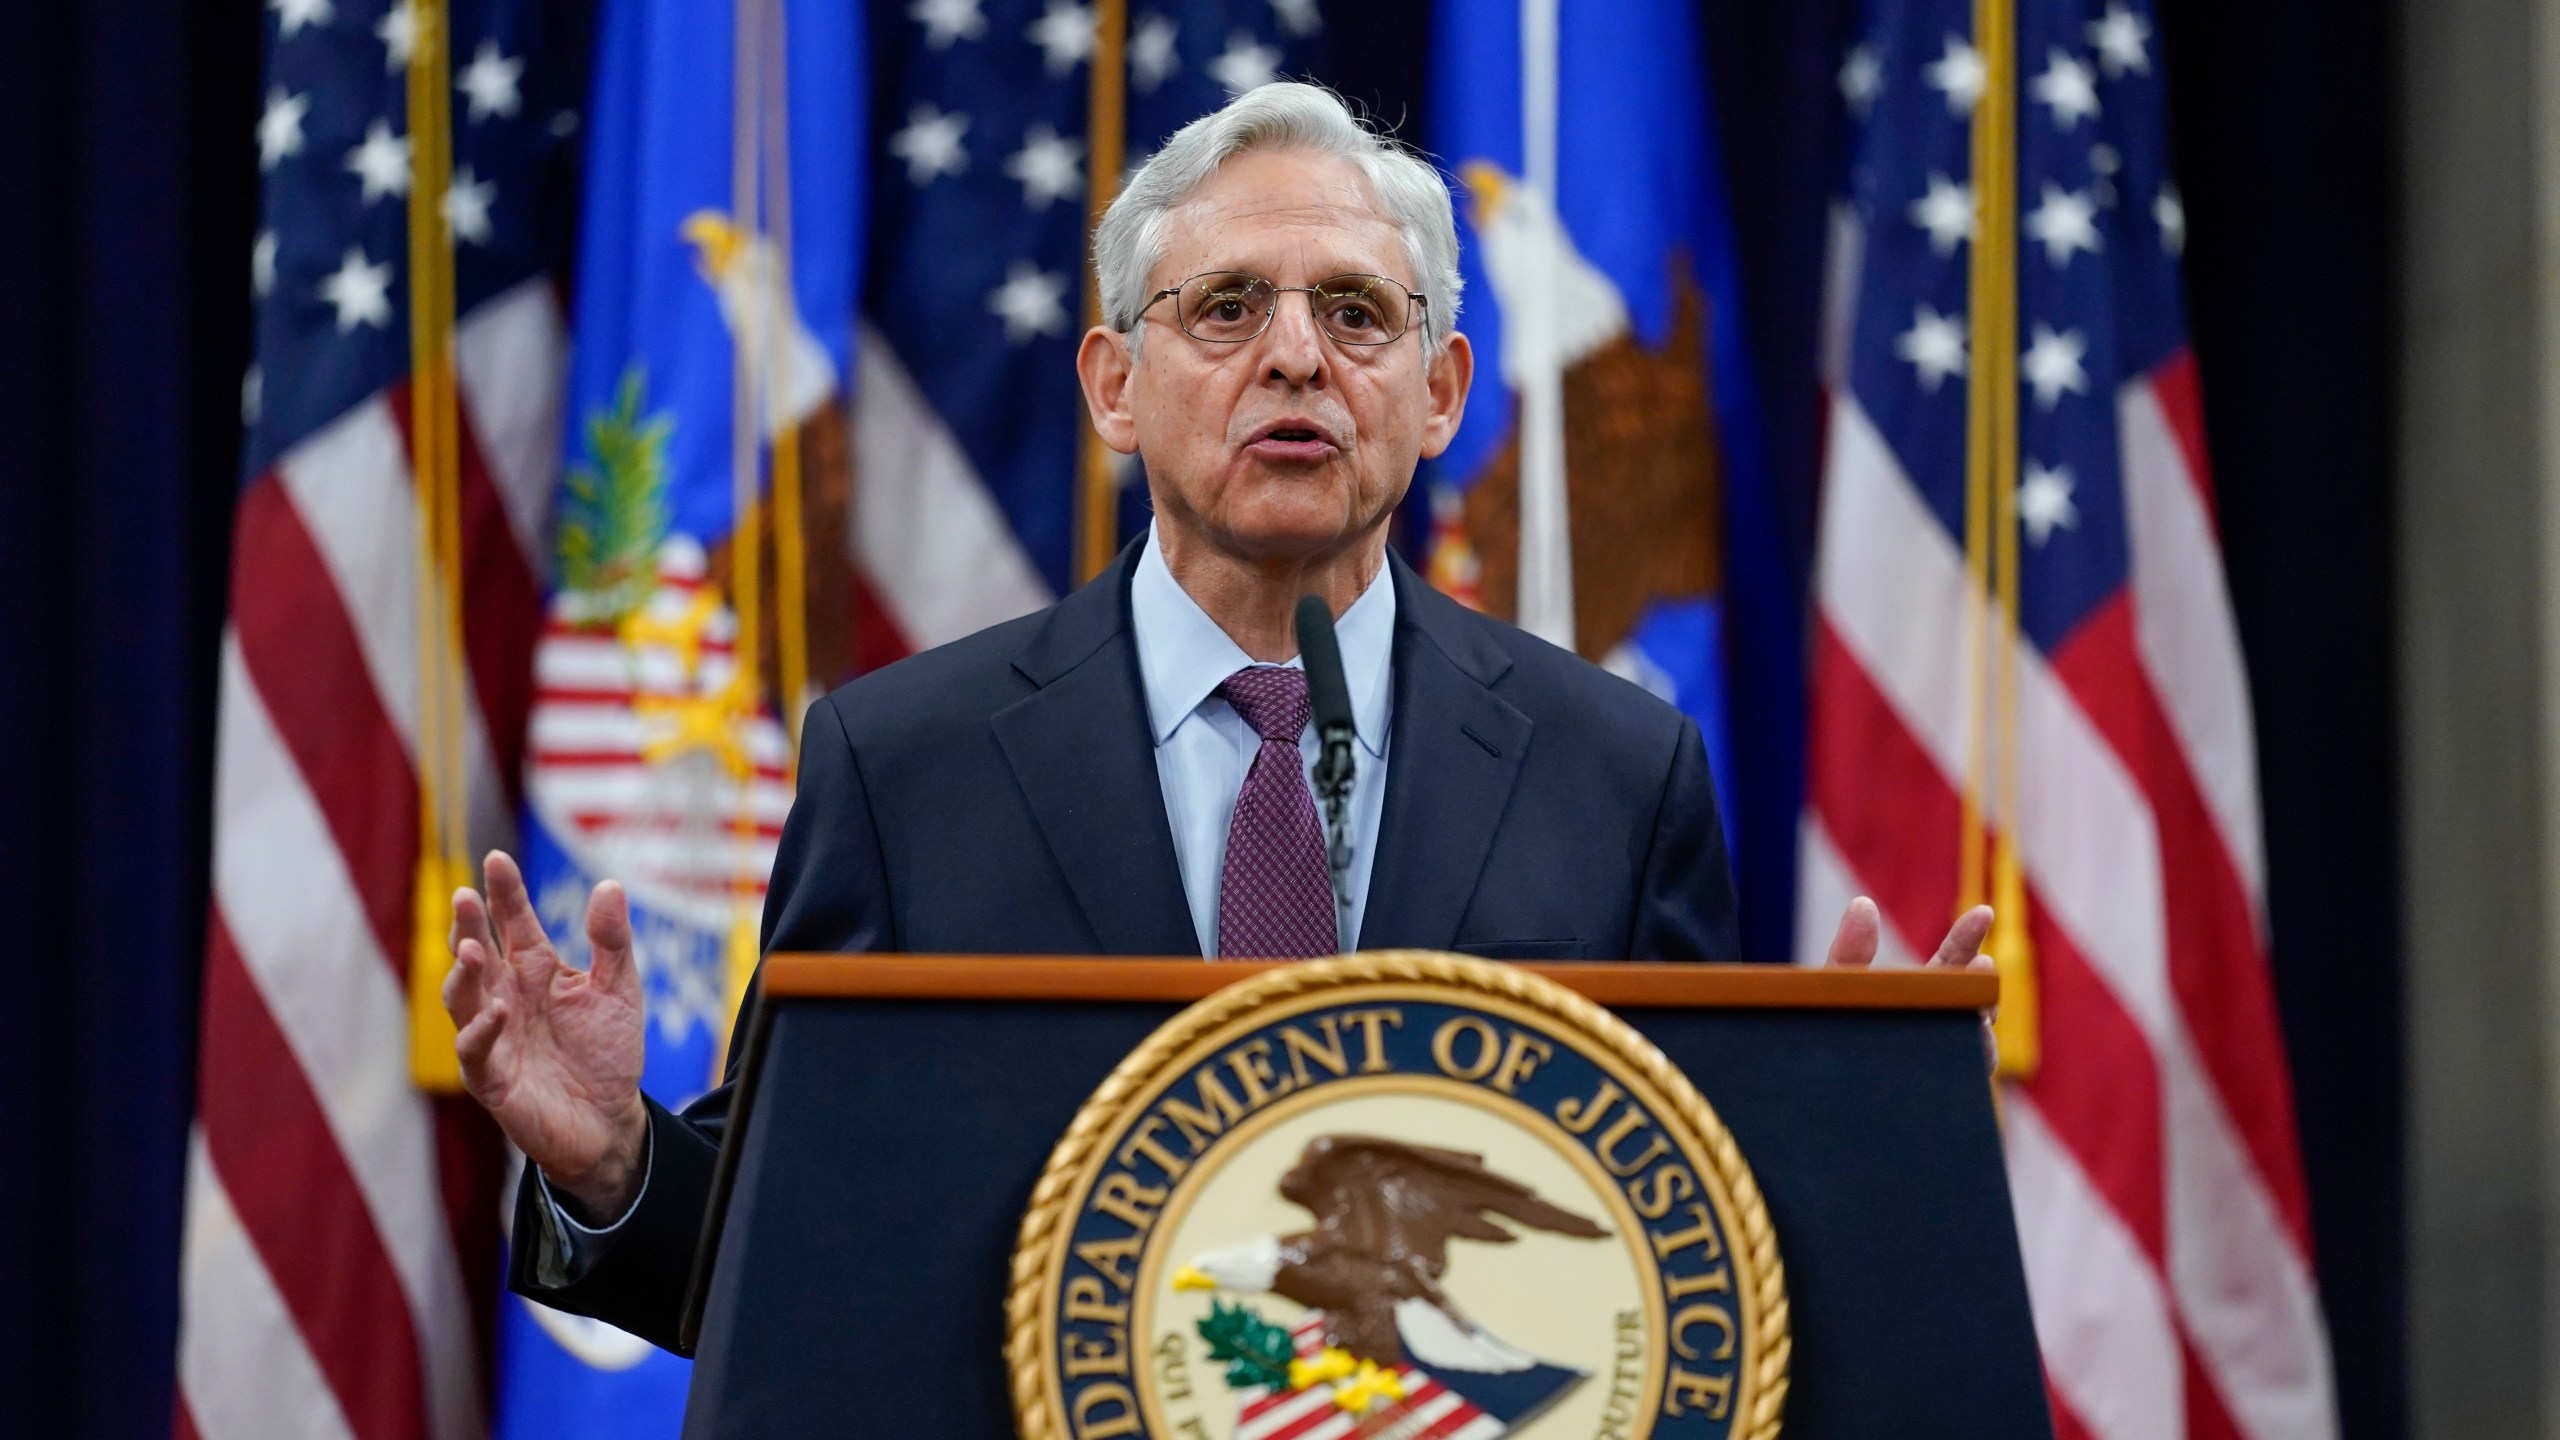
(998, 795)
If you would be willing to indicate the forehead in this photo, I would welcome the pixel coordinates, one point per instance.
(1287, 214)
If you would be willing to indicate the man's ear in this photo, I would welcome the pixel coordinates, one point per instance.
(1451, 372)
(1103, 367)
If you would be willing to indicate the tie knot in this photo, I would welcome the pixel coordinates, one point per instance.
(1271, 699)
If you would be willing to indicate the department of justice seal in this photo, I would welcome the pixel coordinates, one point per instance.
(1397, 1196)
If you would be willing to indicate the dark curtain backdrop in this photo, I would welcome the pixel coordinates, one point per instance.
(130, 180)
(2286, 153)
(129, 186)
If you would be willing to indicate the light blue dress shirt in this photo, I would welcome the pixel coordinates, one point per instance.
(1203, 747)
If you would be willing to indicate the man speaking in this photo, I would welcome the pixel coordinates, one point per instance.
(1128, 771)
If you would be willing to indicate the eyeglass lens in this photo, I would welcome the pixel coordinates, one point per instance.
(1354, 309)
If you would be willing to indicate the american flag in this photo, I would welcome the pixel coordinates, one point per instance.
(340, 1227)
(1424, 1409)
(2152, 1156)
(966, 414)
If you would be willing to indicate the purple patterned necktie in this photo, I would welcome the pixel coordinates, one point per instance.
(1275, 900)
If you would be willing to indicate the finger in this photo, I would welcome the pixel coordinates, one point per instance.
(609, 937)
(511, 908)
(1853, 946)
(471, 922)
(1964, 940)
(475, 1042)
(466, 986)
(470, 927)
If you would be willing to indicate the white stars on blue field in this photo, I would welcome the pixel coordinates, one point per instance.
(329, 267)
(2100, 231)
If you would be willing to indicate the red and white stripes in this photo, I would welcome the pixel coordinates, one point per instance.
(936, 555)
(332, 1250)
(2159, 1197)
(673, 836)
(1428, 1410)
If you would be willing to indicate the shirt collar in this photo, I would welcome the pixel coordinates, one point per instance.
(1183, 656)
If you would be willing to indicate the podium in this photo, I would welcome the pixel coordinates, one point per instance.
(895, 1113)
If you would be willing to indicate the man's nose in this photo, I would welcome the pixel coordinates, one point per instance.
(1293, 346)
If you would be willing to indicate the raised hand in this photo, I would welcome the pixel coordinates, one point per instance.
(553, 1052)
(1853, 946)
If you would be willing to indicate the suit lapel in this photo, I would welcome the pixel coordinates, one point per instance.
(1454, 754)
(1080, 750)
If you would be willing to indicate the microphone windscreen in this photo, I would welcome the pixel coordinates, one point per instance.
(1321, 653)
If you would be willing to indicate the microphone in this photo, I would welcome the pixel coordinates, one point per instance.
(1330, 698)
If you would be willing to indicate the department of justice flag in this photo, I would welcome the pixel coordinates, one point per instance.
(1607, 490)
(713, 332)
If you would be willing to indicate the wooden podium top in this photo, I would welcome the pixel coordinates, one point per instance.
(992, 977)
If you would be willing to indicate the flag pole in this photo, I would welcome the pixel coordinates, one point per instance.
(790, 541)
(1106, 124)
(1989, 868)
(746, 474)
(443, 863)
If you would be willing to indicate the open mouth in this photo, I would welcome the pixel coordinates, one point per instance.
(1292, 440)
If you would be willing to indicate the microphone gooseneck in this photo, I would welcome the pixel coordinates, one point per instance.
(1330, 699)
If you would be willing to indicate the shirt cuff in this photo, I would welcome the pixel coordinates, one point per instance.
(570, 1225)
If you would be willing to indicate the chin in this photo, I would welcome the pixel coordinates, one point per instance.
(1284, 518)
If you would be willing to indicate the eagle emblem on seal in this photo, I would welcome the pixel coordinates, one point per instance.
(1382, 1339)
(1396, 1196)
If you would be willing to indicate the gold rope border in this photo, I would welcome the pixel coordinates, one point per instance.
(1046, 1222)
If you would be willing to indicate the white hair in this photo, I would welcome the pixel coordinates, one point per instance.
(1283, 115)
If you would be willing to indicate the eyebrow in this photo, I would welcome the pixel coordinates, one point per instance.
(1314, 272)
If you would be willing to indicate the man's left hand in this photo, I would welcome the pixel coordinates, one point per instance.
(1853, 947)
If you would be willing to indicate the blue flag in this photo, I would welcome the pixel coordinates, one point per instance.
(712, 339)
(1608, 489)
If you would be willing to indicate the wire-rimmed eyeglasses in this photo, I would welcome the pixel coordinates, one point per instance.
(1229, 307)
